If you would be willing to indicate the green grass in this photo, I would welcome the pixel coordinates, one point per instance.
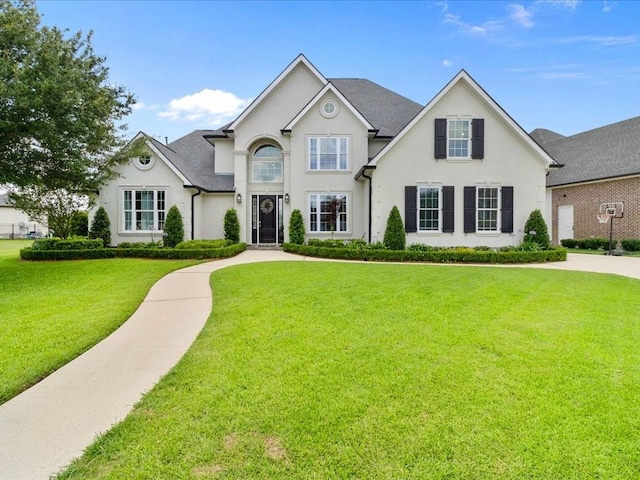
(328, 370)
(50, 312)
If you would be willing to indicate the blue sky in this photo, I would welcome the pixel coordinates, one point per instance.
(568, 66)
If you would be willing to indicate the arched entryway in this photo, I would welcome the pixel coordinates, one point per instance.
(267, 182)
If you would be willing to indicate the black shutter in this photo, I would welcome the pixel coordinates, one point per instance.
(447, 209)
(477, 138)
(410, 209)
(441, 138)
(507, 210)
(469, 209)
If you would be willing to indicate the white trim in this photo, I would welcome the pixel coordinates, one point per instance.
(498, 209)
(439, 229)
(348, 196)
(314, 101)
(337, 138)
(300, 59)
(463, 76)
(173, 168)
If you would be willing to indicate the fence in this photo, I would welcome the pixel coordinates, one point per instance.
(22, 230)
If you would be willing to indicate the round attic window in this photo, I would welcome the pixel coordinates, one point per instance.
(329, 109)
(144, 162)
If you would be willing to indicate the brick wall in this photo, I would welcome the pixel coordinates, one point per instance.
(586, 200)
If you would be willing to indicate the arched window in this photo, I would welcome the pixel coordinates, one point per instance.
(266, 165)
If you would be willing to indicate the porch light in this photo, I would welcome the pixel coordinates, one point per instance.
(239, 198)
(286, 198)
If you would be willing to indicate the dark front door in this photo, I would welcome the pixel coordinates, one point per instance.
(267, 215)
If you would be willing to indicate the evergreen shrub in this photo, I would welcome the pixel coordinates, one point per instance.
(535, 230)
(296, 228)
(101, 227)
(231, 226)
(395, 237)
(173, 228)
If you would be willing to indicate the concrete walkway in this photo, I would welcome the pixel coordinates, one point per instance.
(45, 427)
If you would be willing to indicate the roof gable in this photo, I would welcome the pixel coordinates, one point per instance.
(299, 60)
(329, 87)
(464, 77)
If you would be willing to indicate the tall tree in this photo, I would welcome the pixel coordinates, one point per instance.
(59, 113)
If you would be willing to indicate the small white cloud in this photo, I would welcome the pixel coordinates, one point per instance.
(143, 106)
(606, 41)
(521, 15)
(447, 63)
(211, 107)
(477, 30)
(607, 6)
(570, 4)
(443, 5)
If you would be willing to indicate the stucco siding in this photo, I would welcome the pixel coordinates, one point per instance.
(508, 161)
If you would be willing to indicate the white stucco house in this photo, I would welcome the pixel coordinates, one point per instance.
(17, 224)
(343, 151)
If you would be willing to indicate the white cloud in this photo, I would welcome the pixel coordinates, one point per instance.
(521, 15)
(603, 41)
(607, 6)
(570, 4)
(443, 5)
(447, 63)
(143, 106)
(478, 30)
(210, 107)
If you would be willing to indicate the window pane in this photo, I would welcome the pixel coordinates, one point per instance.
(429, 209)
(328, 153)
(458, 132)
(328, 213)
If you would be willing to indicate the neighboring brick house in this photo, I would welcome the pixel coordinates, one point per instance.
(600, 166)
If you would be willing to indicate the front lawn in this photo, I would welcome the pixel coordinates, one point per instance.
(50, 312)
(365, 371)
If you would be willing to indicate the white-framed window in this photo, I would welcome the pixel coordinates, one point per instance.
(488, 209)
(267, 165)
(329, 109)
(328, 153)
(144, 210)
(459, 138)
(429, 209)
(328, 212)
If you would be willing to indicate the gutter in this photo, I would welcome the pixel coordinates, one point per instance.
(363, 173)
(193, 222)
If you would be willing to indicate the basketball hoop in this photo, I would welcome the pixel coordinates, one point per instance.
(604, 217)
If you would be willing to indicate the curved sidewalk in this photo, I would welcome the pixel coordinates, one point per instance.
(45, 427)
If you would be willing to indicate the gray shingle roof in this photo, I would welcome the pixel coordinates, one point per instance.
(194, 157)
(543, 136)
(606, 152)
(387, 111)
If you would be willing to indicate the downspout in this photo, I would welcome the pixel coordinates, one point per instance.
(193, 221)
(370, 198)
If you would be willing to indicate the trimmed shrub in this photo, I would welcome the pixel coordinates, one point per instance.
(101, 227)
(231, 226)
(50, 244)
(569, 243)
(203, 244)
(535, 230)
(327, 242)
(296, 228)
(448, 255)
(595, 243)
(173, 228)
(156, 253)
(394, 235)
(80, 224)
(630, 245)
(140, 245)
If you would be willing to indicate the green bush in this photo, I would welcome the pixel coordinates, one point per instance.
(569, 243)
(296, 228)
(395, 237)
(595, 243)
(30, 253)
(327, 242)
(203, 244)
(173, 228)
(535, 230)
(630, 245)
(357, 244)
(444, 255)
(101, 227)
(231, 226)
(80, 224)
(140, 245)
(77, 243)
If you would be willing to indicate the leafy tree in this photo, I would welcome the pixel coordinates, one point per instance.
(80, 223)
(173, 228)
(55, 208)
(101, 226)
(59, 112)
(296, 228)
(535, 230)
(231, 226)
(394, 235)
